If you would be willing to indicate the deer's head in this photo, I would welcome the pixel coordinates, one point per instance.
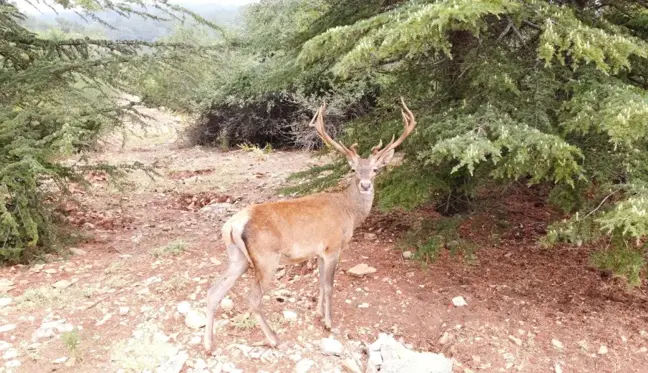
(365, 169)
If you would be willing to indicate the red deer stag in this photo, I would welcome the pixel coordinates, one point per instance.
(292, 231)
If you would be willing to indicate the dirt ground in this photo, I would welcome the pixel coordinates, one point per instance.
(153, 243)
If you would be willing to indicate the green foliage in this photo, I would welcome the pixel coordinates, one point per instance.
(59, 93)
(625, 262)
(429, 238)
(529, 91)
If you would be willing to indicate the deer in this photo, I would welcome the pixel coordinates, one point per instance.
(292, 231)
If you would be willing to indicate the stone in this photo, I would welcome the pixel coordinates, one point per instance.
(227, 304)
(60, 360)
(370, 236)
(7, 328)
(10, 354)
(375, 358)
(290, 316)
(174, 364)
(407, 254)
(77, 251)
(423, 362)
(445, 338)
(6, 285)
(62, 284)
(123, 310)
(195, 319)
(304, 365)
(331, 346)
(363, 305)
(557, 344)
(515, 340)
(603, 350)
(351, 366)
(4, 302)
(183, 307)
(195, 340)
(459, 301)
(361, 270)
(13, 364)
(557, 368)
(104, 319)
(4, 345)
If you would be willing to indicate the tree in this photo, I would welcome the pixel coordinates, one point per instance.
(551, 92)
(56, 96)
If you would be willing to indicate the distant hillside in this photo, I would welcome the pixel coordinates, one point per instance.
(133, 27)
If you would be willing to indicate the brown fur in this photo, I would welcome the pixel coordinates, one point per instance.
(288, 232)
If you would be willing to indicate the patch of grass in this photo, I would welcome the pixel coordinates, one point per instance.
(145, 351)
(46, 296)
(430, 237)
(624, 262)
(174, 248)
(259, 152)
(176, 284)
(72, 340)
(243, 321)
(114, 267)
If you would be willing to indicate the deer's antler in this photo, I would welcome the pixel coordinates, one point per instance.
(318, 123)
(408, 122)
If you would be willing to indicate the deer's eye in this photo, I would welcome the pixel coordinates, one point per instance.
(353, 169)
(375, 170)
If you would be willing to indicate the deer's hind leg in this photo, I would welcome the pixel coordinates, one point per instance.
(237, 265)
(265, 269)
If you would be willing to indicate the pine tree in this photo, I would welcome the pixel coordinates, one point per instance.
(56, 96)
(548, 92)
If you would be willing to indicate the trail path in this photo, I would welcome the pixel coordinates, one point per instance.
(133, 295)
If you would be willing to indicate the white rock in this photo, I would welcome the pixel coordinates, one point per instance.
(459, 301)
(226, 304)
(515, 340)
(4, 345)
(375, 358)
(10, 354)
(7, 328)
(351, 366)
(557, 344)
(4, 302)
(304, 365)
(407, 254)
(290, 315)
(557, 368)
(603, 350)
(195, 319)
(361, 270)
(62, 284)
(104, 319)
(370, 236)
(60, 360)
(195, 340)
(174, 364)
(363, 305)
(123, 310)
(183, 307)
(330, 346)
(13, 363)
(77, 251)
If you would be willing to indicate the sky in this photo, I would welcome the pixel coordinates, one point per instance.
(25, 6)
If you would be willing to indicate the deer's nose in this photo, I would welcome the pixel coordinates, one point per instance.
(365, 185)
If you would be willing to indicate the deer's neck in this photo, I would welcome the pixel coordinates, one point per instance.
(358, 204)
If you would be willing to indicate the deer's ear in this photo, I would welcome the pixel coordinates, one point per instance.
(385, 159)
